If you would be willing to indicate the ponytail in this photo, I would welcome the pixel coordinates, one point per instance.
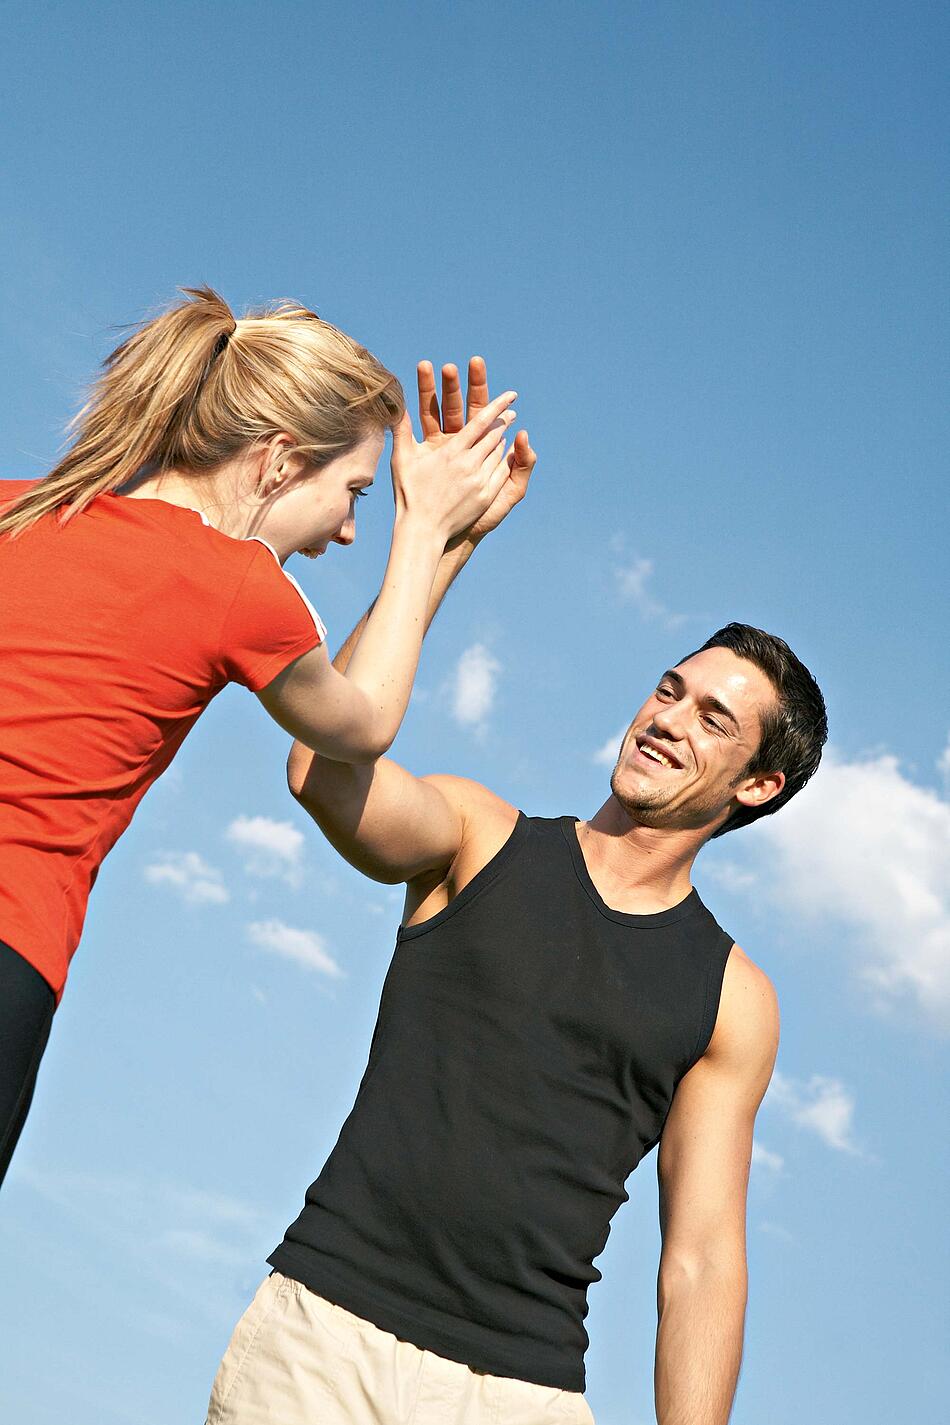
(192, 387)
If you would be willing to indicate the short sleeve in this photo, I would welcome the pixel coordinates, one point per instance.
(269, 624)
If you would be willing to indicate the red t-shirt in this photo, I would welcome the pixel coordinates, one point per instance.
(116, 631)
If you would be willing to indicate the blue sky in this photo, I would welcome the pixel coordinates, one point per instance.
(703, 242)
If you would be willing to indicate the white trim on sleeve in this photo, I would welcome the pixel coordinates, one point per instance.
(318, 621)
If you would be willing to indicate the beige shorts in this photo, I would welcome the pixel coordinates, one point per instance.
(295, 1359)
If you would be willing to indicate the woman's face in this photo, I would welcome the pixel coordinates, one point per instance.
(315, 508)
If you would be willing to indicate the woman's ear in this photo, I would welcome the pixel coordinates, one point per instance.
(276, 464)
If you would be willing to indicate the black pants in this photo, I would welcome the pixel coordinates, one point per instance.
(26, 1013)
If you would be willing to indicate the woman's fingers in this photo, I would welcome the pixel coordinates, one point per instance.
(403, 438)
(469, 437)
(497, 431)
(497, 479)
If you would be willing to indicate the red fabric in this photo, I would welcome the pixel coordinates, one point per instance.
(116, 631)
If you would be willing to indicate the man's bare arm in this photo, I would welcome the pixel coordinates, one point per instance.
(703, 1168)
(389, 824)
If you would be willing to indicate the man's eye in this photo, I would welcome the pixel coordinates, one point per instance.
(664, 692)
(711, 722)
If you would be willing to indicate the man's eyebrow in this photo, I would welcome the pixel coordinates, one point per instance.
(672, 676)
(719, 707)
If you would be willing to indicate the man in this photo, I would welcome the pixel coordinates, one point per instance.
(559, 1002)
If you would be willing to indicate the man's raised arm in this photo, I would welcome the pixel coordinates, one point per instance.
(391, 825)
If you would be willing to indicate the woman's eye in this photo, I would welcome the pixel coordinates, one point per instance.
(360, 494)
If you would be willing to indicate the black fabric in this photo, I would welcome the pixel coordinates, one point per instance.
(27, 1005)
(529, 1042)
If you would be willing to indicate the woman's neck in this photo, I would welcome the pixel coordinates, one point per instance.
(215, 495)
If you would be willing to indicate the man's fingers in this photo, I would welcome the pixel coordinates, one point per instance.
(428, 400)
(523, 458)
(453, 411)
(477, 386)
(519, 461)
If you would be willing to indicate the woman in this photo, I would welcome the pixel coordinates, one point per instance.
(144, 573)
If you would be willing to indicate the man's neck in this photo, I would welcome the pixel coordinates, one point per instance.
(638, 869)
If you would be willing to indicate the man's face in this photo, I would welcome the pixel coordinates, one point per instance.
(683, 760)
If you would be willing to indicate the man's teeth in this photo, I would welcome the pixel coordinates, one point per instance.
(657, 756)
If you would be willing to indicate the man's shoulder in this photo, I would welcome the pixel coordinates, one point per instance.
(743, 970)
(487, 822)
(475, 802)
(747, 1024)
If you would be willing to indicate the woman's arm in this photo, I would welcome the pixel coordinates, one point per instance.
(441, 488)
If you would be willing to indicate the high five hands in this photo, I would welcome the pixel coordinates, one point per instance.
(439, 426)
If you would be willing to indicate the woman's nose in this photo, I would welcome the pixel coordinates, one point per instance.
(346, 533)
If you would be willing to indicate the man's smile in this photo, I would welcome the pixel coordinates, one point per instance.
(656, 754)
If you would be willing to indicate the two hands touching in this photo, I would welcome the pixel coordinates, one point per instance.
(462, 473)
(451, 489)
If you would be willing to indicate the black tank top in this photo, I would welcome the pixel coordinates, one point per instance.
(527, 1048)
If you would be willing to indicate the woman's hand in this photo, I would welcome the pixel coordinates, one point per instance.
(438, 426)
(448, 482)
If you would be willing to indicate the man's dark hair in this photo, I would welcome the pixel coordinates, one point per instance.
(794, 730)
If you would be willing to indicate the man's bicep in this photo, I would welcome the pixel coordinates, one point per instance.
(386, 822)
(702, 1165)
(706, 1146)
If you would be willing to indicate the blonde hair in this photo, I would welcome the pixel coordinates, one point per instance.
(194, 386)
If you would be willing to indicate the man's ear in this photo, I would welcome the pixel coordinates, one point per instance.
(754, 792)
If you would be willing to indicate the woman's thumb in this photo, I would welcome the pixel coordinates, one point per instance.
(402, 433)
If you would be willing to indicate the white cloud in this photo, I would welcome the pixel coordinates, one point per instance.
(764, 1157)
(821, 1105)
(632, 580)
(199, 1246)
(943, 764)
(189, 876)
(306, 947)
(474, 684)
(154, 1223)
(606, 755)
(729, 874)
(210, 1207)
(774, 1229)
(865, 846)
(268, 848)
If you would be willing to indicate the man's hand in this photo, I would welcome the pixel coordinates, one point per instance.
(390, 825)
(439, 425)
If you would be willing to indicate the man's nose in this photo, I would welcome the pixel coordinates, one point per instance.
(669, 719)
